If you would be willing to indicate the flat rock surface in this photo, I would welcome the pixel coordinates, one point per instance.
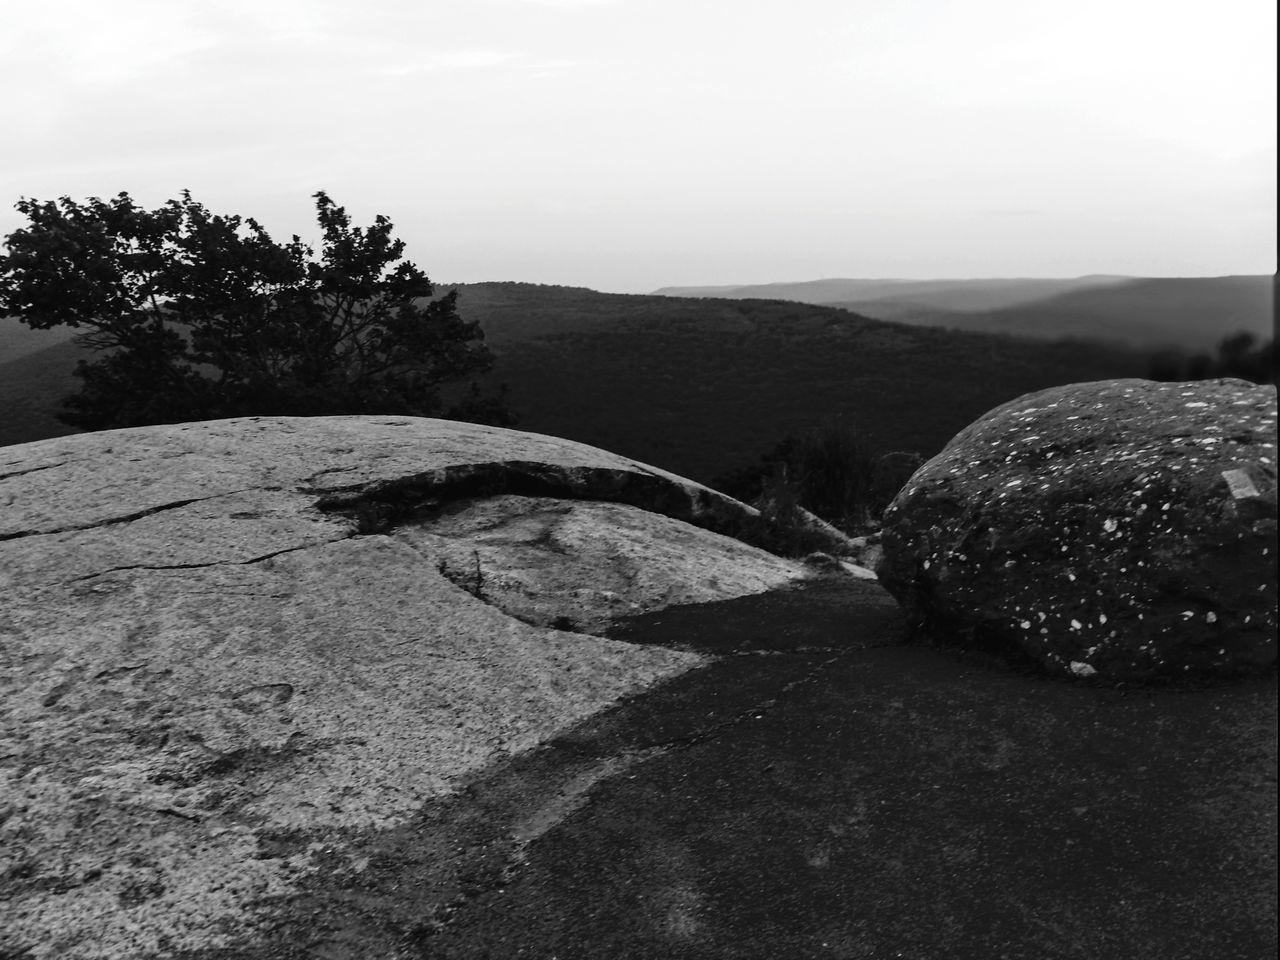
(214, 633)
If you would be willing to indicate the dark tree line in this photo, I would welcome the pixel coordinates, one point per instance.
(1240, 355)
(833, 471)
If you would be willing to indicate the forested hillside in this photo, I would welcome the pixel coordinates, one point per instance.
(699, 386)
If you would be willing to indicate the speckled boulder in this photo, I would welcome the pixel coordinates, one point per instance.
(1123, 529)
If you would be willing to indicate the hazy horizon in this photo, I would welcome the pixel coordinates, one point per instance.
(991, 279)
(628, 146)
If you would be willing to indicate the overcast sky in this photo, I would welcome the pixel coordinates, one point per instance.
(630, 144)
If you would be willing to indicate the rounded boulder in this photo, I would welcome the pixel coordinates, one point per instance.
(1124, 530)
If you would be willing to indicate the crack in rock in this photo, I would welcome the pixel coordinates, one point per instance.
(47, 466)
(213, 563)
(127, 518)
(383, 504)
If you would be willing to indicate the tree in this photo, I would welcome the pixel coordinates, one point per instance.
(1239, 355)
(834, 471)
(199, 316)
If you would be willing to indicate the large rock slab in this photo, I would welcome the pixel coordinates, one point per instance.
(1122, 529)
(215, 635)
(580, 564)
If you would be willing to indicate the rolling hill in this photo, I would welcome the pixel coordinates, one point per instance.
(36, 368)
(704, 386)
(976, 294)
(18, 341)
(1187, 313)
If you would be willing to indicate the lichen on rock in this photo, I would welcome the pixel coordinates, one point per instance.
(1120, 530)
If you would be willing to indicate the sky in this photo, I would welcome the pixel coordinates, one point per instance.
(626, 145)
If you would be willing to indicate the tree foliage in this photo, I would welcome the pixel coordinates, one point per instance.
(1240, 355)
(833, 471)
(200, 316)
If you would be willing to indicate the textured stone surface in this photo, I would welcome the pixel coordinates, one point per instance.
(577, 564)
(1123, 529)
(215, 635)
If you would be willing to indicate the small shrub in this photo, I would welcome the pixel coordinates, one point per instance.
(834, 472)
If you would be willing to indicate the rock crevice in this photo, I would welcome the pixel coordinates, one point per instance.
(387, 503)
(112, 521)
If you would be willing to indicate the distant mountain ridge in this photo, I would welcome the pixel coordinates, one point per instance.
(18, 340)
(1187, 313)
(975, 294)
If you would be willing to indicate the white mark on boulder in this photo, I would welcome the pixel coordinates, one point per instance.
(1240, 483)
